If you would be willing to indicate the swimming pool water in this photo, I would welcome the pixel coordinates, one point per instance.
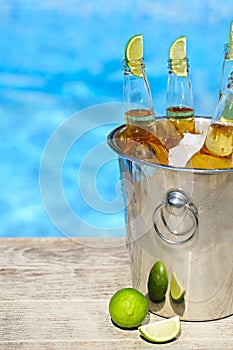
(61, 58)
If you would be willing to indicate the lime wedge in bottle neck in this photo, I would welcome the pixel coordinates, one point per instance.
(134, 54)
(177, 55)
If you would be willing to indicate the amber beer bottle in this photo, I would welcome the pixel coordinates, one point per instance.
(218, 147)
(140, 134)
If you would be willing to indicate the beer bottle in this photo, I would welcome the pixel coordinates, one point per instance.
(140, 133)
(218, 147)
(179, 111)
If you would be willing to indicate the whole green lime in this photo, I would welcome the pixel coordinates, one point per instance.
(158, 281)
(128, 308)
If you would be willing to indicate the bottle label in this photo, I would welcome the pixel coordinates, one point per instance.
(180, 112)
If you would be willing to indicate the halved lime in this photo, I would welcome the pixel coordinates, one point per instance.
(133, 54)
(231, 42)
(178, 56)
(158, 281)
(176, 289)
(161, 331)
(128, 308)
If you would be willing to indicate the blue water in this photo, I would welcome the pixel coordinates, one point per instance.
(59, 58)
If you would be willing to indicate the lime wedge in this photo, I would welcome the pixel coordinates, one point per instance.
(231, 42)
(161, 331)
(176, 290)
(178, 56)
(133, 53)
(178, 48)
(134, 48)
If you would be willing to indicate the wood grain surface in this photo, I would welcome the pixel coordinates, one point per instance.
(54, 294)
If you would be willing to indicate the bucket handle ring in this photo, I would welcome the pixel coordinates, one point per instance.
(176, 203)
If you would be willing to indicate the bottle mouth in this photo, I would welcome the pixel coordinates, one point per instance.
(226, 51)
(133, 63)
(135, 67)
(177, 62)
(180, 66)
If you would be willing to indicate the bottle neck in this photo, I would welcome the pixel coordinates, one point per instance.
(227, 52)
(230, 82)
(179, 88)
(224, 110)
(178, 66)
(136, 68)
(227, 69)
(136, 89)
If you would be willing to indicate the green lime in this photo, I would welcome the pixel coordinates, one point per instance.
(178, 48)
(134, 48)
(176, 289)
(133, 54)
(178, 55)
(158, 281)
(161, 331)
(128, 308)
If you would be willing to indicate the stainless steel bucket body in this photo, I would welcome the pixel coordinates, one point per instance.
(183, 217)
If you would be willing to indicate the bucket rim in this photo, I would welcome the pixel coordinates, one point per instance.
(113, 136)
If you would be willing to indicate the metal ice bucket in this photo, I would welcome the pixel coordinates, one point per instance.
(183, 217)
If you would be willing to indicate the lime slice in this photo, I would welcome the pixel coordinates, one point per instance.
(178, 56)
(178, 48)
(176, 290)
(133, 54)
(134, 48)
(231, 42)
(128, 308)
(161, 331)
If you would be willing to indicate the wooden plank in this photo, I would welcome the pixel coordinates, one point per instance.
(61, 269)
(107, 345)
(62, 252)
(54, 294)
(43, 283)
(88, 322)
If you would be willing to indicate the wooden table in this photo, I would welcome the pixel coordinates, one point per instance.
(54, 294)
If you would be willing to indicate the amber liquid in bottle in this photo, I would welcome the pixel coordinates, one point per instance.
(182, 118)
(140, 139)
(217, 150)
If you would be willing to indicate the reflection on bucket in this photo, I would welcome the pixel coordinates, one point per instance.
(183, 217)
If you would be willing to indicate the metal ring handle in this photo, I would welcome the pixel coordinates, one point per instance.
(178, 206)
(181, 233)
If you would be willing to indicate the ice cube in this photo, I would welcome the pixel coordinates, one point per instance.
(188, 146)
